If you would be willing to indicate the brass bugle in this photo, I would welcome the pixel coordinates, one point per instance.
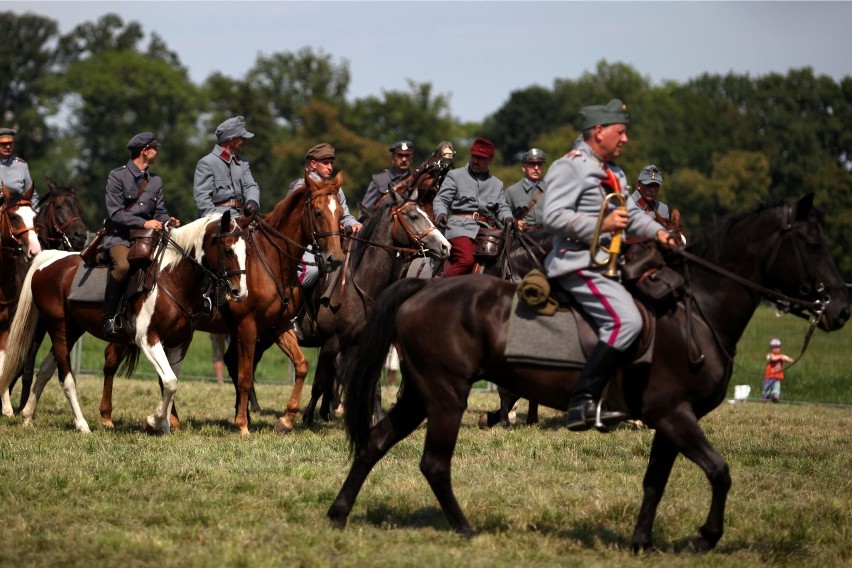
(611, 270)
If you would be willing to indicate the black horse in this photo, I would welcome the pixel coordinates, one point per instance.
(452, 332)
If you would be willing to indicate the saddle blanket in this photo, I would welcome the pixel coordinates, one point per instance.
(89, 284)
(550, 341)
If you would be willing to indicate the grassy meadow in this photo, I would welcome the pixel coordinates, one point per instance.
(536, 496)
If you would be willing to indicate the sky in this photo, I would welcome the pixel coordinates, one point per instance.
(477, 52)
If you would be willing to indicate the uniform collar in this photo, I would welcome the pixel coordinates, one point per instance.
(134, 169)
(225, 155)
(8, 161)
(530, 185)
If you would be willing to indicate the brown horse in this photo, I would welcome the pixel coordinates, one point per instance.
(162, 316)
(396, 232)
(18, 244)
(276, 241)
(452, 332)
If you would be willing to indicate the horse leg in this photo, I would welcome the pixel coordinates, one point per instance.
(532, 413)
(681, 433)
(500, 416)
(288, 343)
(45, 372)
(323, 375)
(402, 419)
(442, 431)
(113, 355)
(158, 422)
(245, 339)
(63, 339)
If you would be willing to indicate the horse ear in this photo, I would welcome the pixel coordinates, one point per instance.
(397, 198)
(226, 222)
(338, 179)
(50, 183)
(6, 193)
(804, 207)
(28, 194)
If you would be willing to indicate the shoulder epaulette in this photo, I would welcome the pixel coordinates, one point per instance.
(20, 159)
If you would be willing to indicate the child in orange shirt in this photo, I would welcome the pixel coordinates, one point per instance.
(774, 373)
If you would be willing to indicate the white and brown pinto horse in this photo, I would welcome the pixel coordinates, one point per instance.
(162, 317)
(18, 245)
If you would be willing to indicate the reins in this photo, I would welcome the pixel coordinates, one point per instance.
(783, 302)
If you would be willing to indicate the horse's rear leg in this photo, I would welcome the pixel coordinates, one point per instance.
(29, 366)
(288, 343)
(45, 372)
(400, 421)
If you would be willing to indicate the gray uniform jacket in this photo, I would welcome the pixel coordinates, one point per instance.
(379, 186)
(348, 219)
(571, 205)
(461, 195)
(519, 195)
(15, 175)
(661, 208)
(121, 189)
(220, 177)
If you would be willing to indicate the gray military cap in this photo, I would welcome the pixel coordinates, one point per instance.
(402, 146)
(143, 140)
(651, 174)
(7, 134)
(534, 155)
(613, 112)
(232, 128)
(322, 151)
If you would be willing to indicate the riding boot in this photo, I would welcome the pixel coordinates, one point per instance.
(112, 298)
(582, 412)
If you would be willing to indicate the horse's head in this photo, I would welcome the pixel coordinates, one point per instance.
(322, 218)
(413, 228)
(225, 256)
(801, 265)
(427, 179)
(17, 222)
(59, 220)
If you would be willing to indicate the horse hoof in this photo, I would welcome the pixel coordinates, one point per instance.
(148, 427)
(83, 427)
(282, 427)
(107, 423)
(483, 421)
(700, 545)
(174, 423)
(513, 417)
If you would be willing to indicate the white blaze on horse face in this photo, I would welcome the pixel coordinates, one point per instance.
(28, 216)
(434, 239)
(332, 206)
(241, 253)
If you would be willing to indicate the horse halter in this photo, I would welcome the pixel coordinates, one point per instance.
(398, 213)
(7, 228)
(55, 230)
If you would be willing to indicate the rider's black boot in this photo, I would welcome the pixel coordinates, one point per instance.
(112, 298)
(582, 412)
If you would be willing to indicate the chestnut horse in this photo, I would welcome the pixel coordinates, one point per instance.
(162, 317)
(18, 244)
(452, 332)
(276, 241)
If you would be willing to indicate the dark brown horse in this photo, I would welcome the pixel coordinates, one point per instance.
(395, 233)
(452, 332)
(161, 316)
(18, 244)
(59, 221)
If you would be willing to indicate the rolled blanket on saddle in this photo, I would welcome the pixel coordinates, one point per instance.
(534, 291)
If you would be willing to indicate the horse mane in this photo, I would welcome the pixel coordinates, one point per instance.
(365, 235)
(282, 209)
(707, 242)
(190, 238)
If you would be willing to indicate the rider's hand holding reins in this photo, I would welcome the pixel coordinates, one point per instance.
(667, 239)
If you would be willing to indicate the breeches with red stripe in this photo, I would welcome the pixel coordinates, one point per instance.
(608, 303)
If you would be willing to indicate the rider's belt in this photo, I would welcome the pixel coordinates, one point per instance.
(235, 203)
(476, 216)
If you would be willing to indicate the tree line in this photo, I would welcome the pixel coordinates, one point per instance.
(723, 142)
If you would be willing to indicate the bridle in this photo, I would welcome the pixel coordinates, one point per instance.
(7, 228)
(55, 231)
(812, 310)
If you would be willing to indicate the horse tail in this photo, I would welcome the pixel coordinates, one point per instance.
(363, 366)
(24, 323)
(130, 360)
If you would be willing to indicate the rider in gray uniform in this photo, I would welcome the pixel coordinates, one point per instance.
(525, 197)
(383, 181)
(648, 186)
(14, 171)
(223, 180)
(576, 186)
